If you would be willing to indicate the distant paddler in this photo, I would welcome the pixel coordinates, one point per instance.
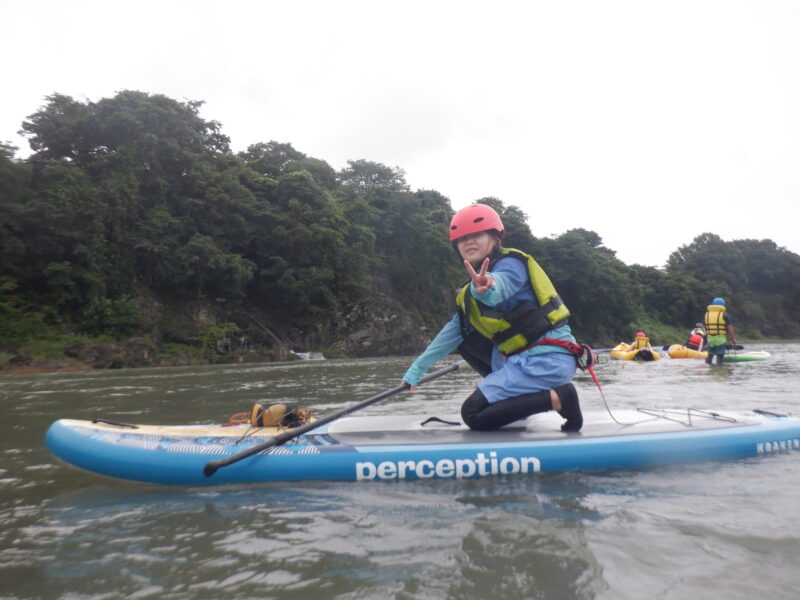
(697, 338)
(641, 341)
(719, 327)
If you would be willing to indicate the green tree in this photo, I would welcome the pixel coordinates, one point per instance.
(412, 253)
(594, 284)
(118, 318)
(419, 258)
(161, 176)
(321, 171)
(709, 258)
(63, 232)
(363, 175)
(15, 192)
(136, 195)
(207, 269)
(307, 263)
(270, 159)
(515, 221)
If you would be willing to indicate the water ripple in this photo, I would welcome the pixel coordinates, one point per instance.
(698, 531)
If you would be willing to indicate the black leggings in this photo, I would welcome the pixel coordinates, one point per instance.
(478, 414)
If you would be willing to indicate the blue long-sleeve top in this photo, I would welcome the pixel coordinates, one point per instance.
(511, 286)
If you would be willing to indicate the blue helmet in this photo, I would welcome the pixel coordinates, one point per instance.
(718, 301)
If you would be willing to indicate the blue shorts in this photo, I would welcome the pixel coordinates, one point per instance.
(525, 373)
(715, 350)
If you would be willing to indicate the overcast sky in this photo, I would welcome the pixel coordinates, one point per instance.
(647, 122)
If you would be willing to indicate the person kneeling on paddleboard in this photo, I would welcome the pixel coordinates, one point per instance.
(511, 327)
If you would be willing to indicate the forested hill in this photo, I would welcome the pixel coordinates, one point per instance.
(133, 235)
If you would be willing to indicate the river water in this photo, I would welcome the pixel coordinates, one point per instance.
(713, 530)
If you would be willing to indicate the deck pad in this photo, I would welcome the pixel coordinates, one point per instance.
(379, 430)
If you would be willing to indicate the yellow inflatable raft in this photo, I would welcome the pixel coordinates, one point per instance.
(626, 352)
(678, 351)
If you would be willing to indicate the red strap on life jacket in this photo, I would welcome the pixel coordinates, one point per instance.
(572, 347)
(577, 350)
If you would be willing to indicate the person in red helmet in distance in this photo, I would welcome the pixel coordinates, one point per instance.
(641, 341)
(510, 326)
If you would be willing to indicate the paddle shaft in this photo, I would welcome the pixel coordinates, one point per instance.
(212, 466)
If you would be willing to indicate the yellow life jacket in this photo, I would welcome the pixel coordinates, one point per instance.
(715, 320)
(513, 331)
(640, 342)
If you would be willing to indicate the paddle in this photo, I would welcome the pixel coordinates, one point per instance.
(212, 466)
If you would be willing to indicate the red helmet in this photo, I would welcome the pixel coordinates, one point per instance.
(474, 219)
(641, 334)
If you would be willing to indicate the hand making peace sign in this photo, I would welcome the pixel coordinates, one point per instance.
(481, 280)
